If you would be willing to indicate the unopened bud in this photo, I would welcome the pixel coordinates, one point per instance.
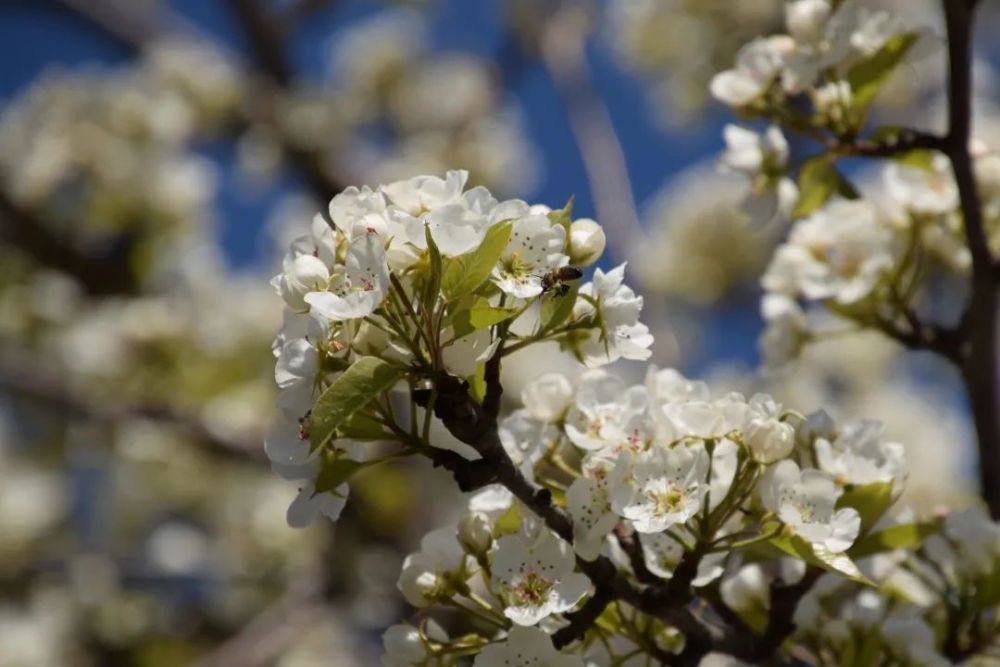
(586, 242)
(474, 533)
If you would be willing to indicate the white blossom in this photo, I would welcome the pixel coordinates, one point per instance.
(361, 288)
(533, 571)
(670, 487)
(620, 335)
(840, 252)
(548, 397)
(588, 501)
(534, 249)
(758, 64)
(859, 455)
(805, 500)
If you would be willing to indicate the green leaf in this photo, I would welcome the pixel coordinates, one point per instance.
(871, 501)
(509, 522)
(432, 286)
(334, 473)
(918, 158)
(793, 545)
(556, 309)
(479, 315)
(818, 181)
(477, 383)
(465, 273)
(362, 426)
(869, 75)
(897, 537)
(564, 215)
(359, 385)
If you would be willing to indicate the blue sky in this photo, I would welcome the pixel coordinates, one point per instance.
(44, 36)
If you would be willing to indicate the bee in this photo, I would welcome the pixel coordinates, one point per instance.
(556, 281)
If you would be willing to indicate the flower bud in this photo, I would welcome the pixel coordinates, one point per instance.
(769, 440)
(474, 533)
(306, 274)
(419, 585)
(806, 19)
(586, 242)
(403, 646)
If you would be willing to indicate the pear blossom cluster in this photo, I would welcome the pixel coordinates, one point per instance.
(665, 464)
(860, 249)
(429, 276)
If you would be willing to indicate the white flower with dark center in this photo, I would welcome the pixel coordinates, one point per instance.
(427, 574)
(588, 501)
(534, 576)
(619, 334)
(758, 65)
(859, 455)
(361, 288)
(605, 414)
(805, 500)
(525, 647)
(670, 487)
(840, 252)
(535, 248)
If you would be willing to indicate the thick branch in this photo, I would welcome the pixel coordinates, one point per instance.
(980, 363)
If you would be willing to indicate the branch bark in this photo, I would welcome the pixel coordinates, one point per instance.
(979, 366)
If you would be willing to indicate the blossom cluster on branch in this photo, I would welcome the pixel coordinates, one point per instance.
(608, 523)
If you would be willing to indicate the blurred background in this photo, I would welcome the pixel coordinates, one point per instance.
(155, 158)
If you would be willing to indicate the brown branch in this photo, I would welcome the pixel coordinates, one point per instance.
(979, 368)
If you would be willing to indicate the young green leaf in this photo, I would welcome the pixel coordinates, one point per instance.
(564, 215)
(869, 75)
(871, 501)
(897, 537)
(556, 308)
(359, 385)
(432, 287)
(793, 545)
(465, 273)
(818, 181)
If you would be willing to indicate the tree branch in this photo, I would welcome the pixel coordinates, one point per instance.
(979, 370)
